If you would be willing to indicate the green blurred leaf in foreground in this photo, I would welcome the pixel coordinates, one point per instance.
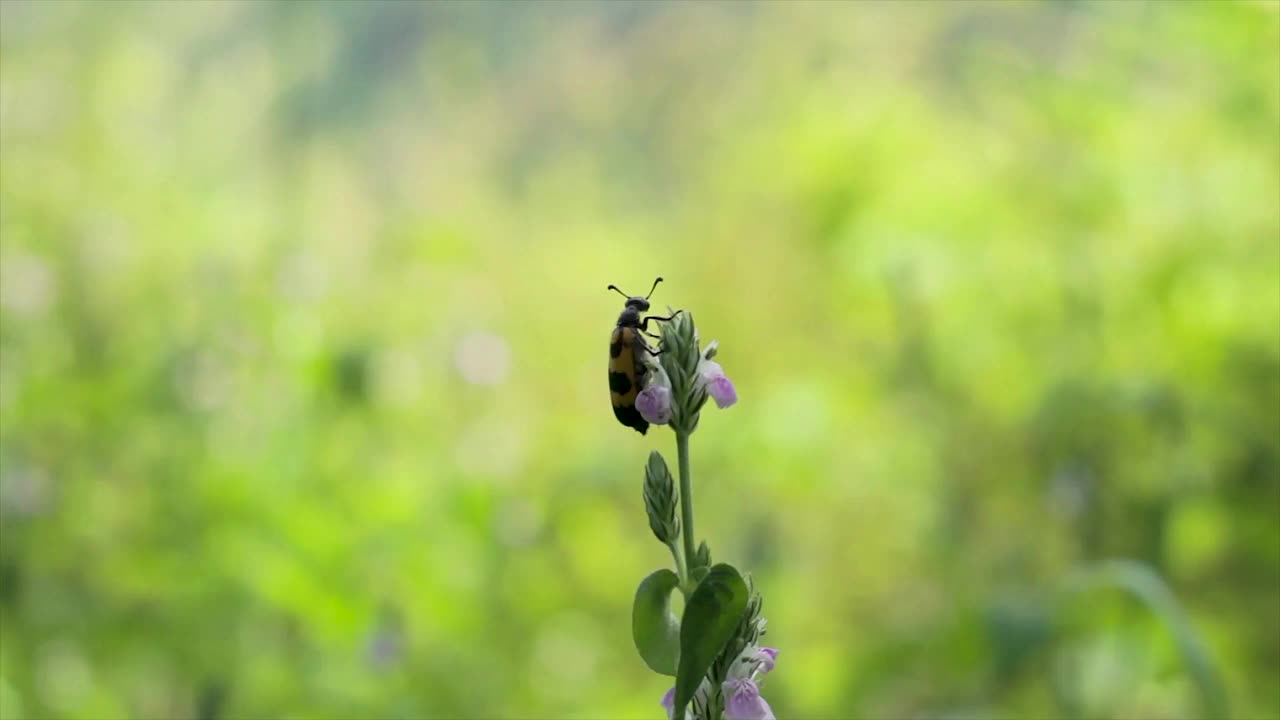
(709, 622)
(654, 627)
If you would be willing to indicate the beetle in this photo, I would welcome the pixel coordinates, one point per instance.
(628, 365)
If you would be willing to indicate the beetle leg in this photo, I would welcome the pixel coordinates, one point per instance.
(644, 324)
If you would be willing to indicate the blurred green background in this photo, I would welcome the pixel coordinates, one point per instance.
(302, 365)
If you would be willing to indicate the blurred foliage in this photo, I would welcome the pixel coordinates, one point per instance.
(302, 358)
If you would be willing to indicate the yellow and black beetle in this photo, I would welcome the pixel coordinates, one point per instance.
(627, 362)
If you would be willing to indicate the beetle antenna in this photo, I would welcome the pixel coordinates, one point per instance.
(655, 284)
(615, 289)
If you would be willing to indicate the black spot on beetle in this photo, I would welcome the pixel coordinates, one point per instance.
(619, 383)
(615, 348)
(628, 415)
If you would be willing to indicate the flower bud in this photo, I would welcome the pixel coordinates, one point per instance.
(702, 556)
(660, 499)
(680, 358)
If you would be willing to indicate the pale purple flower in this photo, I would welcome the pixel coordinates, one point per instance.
(700, 696)
(654, 403)
(718, 386)
(743, 701)
(765, 656)
(753, 663)
(741, 693)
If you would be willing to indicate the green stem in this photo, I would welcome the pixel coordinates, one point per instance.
(686, 495)
(681, 569)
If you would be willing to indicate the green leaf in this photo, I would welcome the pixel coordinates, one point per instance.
(654, 627)
(710, 620)
(1147, 586)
